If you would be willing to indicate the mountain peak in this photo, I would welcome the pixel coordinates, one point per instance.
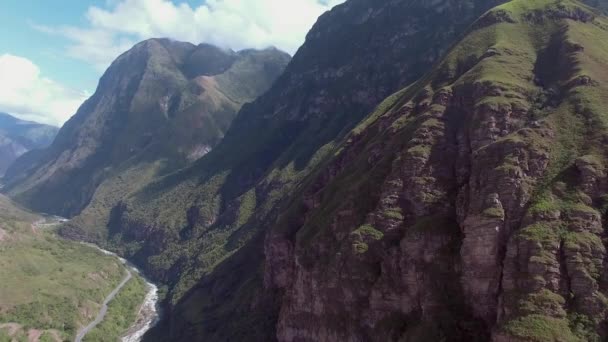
(163, 100)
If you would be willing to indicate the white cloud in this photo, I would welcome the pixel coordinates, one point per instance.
(235, 24)
(27, 94)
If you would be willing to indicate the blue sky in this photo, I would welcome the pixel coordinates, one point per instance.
(52, 53)
(16, 17)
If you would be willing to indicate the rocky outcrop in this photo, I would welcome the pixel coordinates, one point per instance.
(276, 143)
(462, 211)
(465, 207)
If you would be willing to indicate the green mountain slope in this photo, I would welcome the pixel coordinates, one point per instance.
(18, 136)
(467, 206)
(470, 205)
(159, 106)
(193, 228)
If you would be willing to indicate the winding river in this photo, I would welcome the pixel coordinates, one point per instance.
(148, 314)
(104, 308)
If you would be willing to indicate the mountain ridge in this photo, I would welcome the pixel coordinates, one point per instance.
(230, 195)
(144, 111)
(19, 136)
(466, 206)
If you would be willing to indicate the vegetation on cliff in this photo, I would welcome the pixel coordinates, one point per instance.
(469, 205)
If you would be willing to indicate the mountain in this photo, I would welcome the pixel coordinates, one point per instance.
(158, 107)
(466, 207)
(470, 206)
(200, 230)
(19, 136)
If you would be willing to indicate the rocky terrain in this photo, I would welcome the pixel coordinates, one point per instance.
(471, 207)
(468, 206)
(204, 222)
(18, 137)
(421, 171)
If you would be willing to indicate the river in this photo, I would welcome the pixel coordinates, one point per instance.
(149, 313)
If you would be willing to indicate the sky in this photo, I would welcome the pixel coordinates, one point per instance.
(52, 53)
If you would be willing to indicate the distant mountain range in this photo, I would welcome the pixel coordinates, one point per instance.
(18, 137)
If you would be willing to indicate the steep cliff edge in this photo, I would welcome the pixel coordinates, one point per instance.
(160, 106)
(471, 205)
(201, 230)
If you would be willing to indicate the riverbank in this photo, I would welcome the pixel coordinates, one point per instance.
(138, 314)
(52, 287)
(147, 317)
(104, 308)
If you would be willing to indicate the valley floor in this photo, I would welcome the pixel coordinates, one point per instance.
(52, 288)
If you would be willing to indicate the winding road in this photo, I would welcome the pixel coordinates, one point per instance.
(148, 314)
(104, 308)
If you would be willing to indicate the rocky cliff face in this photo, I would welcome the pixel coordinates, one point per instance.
(18, 137)
(202, 219)
(471, 207)
(159, 106)
(467, 206)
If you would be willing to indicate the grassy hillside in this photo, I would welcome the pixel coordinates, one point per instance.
(122, 312)
(203, 223)
(50, 286)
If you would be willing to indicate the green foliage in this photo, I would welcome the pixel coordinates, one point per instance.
(494, 212)
(122, 312)
(383, 108)
(368, 231)
(542, 302)
(585, 240)
(542, 232)
(247, 207)
(423, 151)
(568, 201)
(363, 235)
(46, 313)
(544, 204)
(360, 247)
(584, 327)
(48, 283)
(46, 337)
(4, 336)
(539, 328)
(238, 187)
(394, 213)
